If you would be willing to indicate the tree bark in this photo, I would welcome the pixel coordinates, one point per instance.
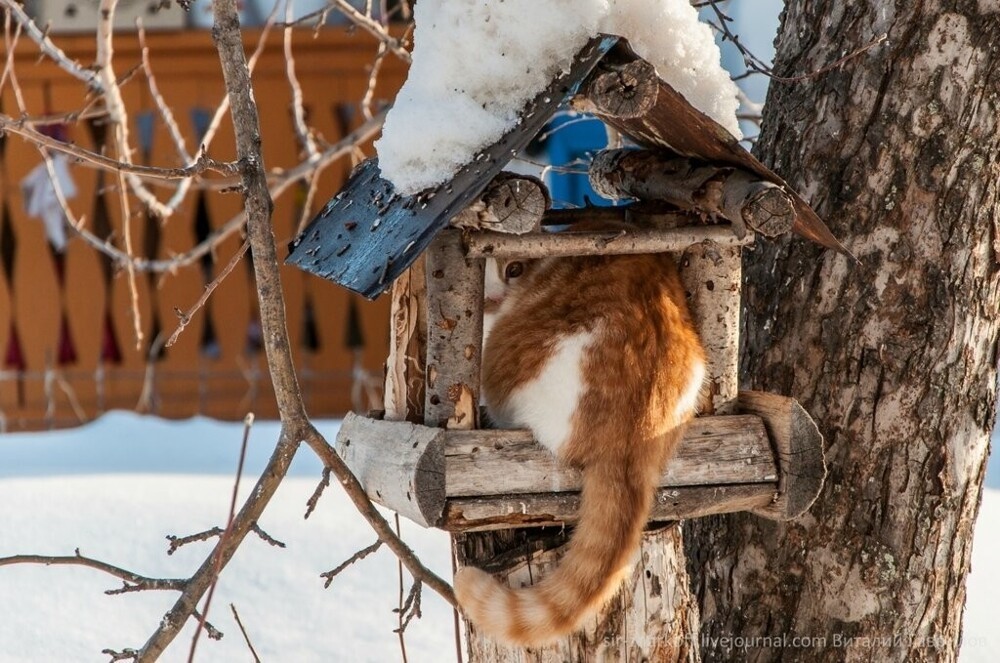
(895, 356)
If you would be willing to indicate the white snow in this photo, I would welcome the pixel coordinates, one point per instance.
(476, 64)
(117, 487)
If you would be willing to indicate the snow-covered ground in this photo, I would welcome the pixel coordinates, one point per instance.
(117, 487)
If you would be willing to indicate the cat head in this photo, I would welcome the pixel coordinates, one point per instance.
(501, 276)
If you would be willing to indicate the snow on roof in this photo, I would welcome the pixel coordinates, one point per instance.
(476, 64)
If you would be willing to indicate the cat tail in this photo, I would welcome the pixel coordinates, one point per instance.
(615, 503)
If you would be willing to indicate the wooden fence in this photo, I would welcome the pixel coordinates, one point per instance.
(67, 343)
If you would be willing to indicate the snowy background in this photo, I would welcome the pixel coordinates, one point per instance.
(117, 487)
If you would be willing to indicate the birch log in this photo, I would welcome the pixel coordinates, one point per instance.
(625, 93)
(454, 334)
(733, 193)
(613, 242)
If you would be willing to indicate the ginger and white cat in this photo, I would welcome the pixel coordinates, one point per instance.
(598, 357)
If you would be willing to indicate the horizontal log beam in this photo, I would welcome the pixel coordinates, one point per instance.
(415, 470)
(400, 464)
(714, 450)
(470, 514)
(747, 200)
(616, 242)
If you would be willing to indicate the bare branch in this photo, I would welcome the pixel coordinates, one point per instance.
(356, 557)
(202, 623)
(72, 67)
(246, 638)
(280, 182)
(373, 27)
(137, 581)
(202, 165)
(185, 318)
(314, 499)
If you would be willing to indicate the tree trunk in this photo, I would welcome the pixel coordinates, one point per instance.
(895, 357)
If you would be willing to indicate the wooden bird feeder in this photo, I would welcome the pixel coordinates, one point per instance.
(425, 456)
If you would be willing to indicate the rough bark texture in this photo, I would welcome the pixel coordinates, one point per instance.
(405, 366)
(895, 357)
(454, 334)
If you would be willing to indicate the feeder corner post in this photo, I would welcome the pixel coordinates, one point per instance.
(454, 334)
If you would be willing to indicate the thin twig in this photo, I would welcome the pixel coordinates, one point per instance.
(185, 318)
(246, 638)
(400, 631)
(267, 538)
(411, 607)
(140, 581)
(366, 101)
(177, 542)
(314, 498)
(373, 27)
(247, 425)
(356, 557)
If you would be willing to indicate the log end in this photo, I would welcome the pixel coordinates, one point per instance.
(771, 212)
(798, 449)
(399, 464)
(625, 91)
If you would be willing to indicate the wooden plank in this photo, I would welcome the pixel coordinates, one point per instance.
(468, 514)
(400, 464)
(798, 448)
(488, 244)
(715, 450)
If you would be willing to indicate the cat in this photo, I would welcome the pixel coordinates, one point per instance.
(599, 358)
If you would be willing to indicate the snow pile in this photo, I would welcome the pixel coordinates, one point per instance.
(476, 64)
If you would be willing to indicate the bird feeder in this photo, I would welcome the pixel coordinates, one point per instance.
(696, 194)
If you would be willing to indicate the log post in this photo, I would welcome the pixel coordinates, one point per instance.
(454, 334)
(712, 277)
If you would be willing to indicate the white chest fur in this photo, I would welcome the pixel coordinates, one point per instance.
(547, 404)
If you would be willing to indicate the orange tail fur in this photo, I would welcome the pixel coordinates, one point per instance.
(615, 504)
